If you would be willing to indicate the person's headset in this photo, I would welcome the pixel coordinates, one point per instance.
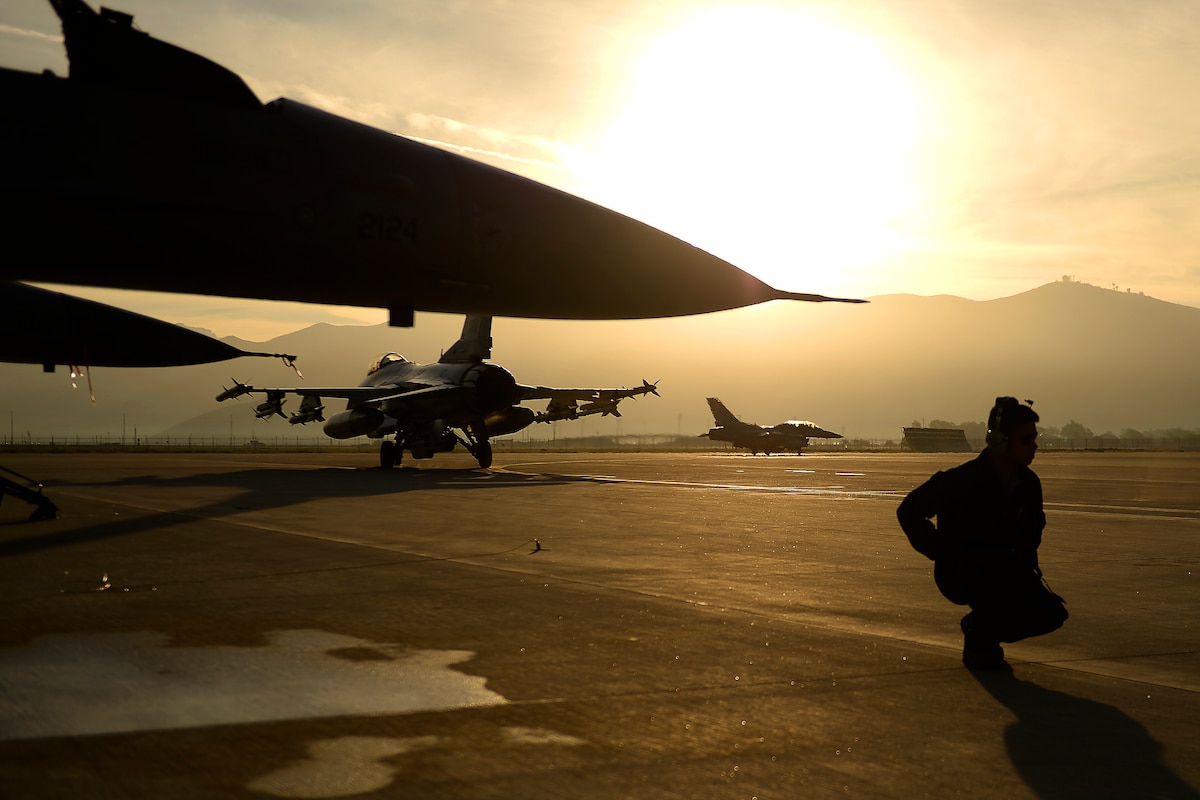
(997, 438)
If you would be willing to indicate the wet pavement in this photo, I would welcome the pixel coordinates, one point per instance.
(583, 625)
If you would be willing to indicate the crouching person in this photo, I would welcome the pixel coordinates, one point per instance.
(989, 522)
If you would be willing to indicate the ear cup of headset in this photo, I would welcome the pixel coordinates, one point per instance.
(997, 439)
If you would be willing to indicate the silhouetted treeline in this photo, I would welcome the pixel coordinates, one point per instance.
(1074, 431)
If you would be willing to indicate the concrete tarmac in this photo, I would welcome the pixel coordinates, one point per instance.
(582, 626)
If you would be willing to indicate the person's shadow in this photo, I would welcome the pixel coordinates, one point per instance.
(1070, 747)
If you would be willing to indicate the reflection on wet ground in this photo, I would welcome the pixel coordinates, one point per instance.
(139, 682)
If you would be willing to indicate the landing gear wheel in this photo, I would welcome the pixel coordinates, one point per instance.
(387, 454)
(483, 454)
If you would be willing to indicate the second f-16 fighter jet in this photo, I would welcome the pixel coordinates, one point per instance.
(790, 435)
(430, 408)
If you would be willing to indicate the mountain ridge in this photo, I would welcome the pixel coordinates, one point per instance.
(1110, 360)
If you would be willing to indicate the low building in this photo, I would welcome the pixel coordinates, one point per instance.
(936, 440)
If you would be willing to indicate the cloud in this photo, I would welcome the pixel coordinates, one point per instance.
(536, 151)
(373, 113)
(9, 30)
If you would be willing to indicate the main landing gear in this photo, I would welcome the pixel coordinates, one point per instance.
(477, 444)
(483, 453)
(389, 454)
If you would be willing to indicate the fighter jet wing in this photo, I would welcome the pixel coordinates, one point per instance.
(547, 392)
(361, 393)
(565, 403)
(312, 406)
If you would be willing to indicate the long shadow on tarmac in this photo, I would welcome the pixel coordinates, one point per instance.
(264, 489)
(1071, 747)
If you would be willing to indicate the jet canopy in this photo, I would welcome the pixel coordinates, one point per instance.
(384, 360)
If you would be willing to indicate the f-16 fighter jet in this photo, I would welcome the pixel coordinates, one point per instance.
(431, 408)
(790, 435)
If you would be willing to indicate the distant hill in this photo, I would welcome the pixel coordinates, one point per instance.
(1109, 360)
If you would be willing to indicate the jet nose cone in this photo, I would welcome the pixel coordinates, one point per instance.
(587, 260)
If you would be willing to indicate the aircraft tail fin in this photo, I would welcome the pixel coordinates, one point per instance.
(475, 343)
(722, 415)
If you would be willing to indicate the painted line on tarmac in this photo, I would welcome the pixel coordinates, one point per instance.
(513, 469)
(1178, 514)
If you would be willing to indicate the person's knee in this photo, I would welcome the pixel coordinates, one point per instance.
(1029, 622)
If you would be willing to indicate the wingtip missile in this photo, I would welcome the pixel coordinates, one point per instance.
(237, 390)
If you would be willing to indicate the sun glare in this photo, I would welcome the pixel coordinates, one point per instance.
(767, 136)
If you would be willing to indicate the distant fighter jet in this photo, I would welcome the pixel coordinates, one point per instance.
(790, 435)
(430, 408)
(151, 167)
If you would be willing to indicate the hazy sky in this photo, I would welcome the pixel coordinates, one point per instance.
(970, 147)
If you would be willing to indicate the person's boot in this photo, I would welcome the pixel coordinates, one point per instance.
(980, 651)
